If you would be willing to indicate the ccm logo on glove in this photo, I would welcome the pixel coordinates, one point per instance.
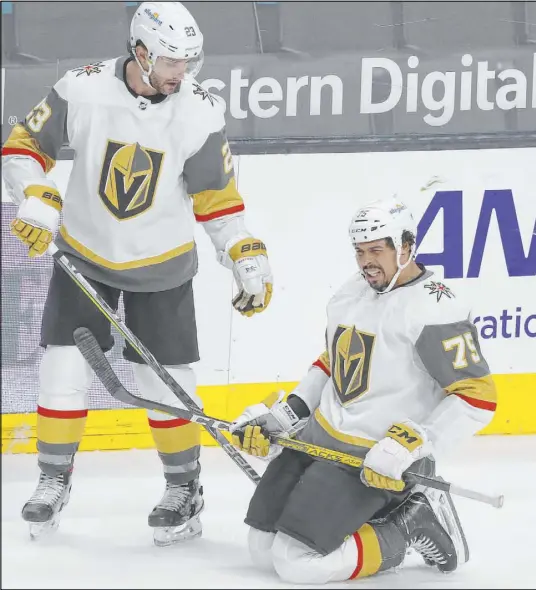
(385, 463)
(405, 436)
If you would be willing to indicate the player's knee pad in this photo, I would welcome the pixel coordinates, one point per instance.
(297, 563)
(153, 388)
(260, 548)
(64, 379)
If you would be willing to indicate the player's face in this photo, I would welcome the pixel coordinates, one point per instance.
(167, 74)
(377, 261)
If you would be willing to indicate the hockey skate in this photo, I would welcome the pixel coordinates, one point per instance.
(445, 511)
(42, 511)
(430, 525)
(176, 517)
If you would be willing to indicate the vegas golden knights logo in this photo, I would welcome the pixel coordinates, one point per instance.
(350, 360)
(128, 178)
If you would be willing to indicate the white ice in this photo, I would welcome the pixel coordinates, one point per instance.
(104, 542)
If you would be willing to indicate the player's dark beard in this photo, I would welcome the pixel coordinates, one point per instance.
(380, 287)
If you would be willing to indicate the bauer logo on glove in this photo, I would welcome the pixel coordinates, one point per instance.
(37, 218)
(252, 273)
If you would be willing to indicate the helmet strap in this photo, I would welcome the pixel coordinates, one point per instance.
(400, 266)
(145, 75)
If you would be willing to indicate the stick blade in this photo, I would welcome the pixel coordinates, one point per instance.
(89, 347)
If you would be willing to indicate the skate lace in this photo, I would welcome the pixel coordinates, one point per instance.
(175, 498)
(428, 549)
(48, 491)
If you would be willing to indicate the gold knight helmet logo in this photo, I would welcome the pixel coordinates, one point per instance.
(351, 356)
(128, 178)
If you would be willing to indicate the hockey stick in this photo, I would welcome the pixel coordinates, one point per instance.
(415, 478)
(92, 352)
(148, 357)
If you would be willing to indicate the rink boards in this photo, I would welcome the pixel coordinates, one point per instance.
(128, 428)
(476, 211)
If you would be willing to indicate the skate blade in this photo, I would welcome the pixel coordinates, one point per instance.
(39, 530)
(165, 536)
(446, 513)
(451, 523)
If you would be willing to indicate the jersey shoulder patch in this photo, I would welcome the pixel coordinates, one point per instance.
(87, 82)
(438, 303)
(200, 110)
(89, 69)
(438, 290)
(202, 100)
(203, 95)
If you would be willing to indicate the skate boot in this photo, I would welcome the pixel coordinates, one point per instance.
(43, 509)
(176, 517)
(429, 523)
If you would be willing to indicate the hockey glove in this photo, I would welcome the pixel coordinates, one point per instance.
(387, 460)
(37, 218)
(252, 429)
(252, 274)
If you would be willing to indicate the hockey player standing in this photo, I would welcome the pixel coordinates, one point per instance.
(149, 142)
(402, 379)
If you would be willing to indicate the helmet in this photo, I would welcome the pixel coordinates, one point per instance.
(386, 218)
(167, 29)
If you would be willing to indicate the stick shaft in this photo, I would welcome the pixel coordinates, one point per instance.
(93, 353)
(149, 358)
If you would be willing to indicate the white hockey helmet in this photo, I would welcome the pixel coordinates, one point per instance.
(167, 29)
(385, 218)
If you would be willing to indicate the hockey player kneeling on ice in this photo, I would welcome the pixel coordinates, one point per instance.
(401, 380)
(152, 158)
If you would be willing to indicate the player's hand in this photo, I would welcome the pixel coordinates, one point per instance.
(252, 429)
(37, 218)
(253, 276)
(385, 463)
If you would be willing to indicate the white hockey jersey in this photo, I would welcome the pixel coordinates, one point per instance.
(412, 353)
(144, 170)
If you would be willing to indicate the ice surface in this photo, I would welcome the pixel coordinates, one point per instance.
(104, 541)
